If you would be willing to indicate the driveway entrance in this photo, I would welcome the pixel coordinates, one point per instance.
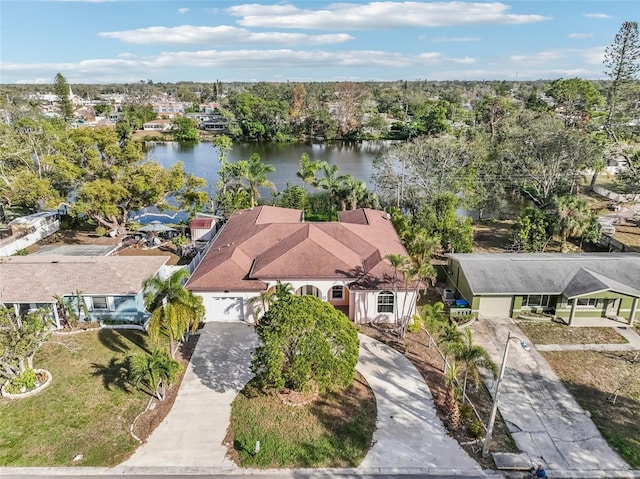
(545, 420)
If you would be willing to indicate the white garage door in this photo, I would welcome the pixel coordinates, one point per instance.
(223, 309)
(495, 306)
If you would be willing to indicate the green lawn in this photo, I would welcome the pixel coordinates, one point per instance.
(333, 431)
(86, 410)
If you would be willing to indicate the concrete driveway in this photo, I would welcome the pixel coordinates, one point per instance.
(409, 436)
(193, 432)
(545, 420)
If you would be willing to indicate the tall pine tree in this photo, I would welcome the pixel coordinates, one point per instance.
(622, 63)
(61, 88)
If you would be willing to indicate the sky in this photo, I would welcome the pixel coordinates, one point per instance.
(107, 41)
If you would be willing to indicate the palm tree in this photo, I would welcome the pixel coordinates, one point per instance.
(472, 356)
(451, 401)
(308, 169)
(398, 263)
(573, 217)
(331, 182)
(283, 289)
(71, 310)
(174, 308)
(352, 193)
(256, 176)
(433, 318)
(448, 337)
(156, 371)
(260, 304)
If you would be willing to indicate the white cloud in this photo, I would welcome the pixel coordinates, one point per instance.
(319, 61)
(540, 57)
(580, 35)
(222, 34)
(596, 15)
(386, 14)
(454, 39)
(594, 56)
(183, 10)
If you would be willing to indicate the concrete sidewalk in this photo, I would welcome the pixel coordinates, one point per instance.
(544, 419)
(193, 432)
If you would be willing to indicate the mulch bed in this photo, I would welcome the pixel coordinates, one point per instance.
(429, 363)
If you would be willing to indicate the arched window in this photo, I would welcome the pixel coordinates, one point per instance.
(337, 292)
(385, 302)
(310, 290)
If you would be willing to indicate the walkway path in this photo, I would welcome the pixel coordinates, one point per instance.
(628, 333)
(544, 419)
(409, 434)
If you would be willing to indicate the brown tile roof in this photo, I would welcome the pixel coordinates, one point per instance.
(267, 243)
(36, 279)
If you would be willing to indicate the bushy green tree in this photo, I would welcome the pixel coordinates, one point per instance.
(305, 342)
(20, 339)
(293, 196)
(531, 230)
(184, 129)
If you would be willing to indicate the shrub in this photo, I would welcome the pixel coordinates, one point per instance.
(25, 381)
(416, 324)
(475, 429)
(305, 342)
(101, 231)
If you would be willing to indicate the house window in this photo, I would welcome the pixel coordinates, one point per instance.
(100, 302)
(385, 302)
(536, 300)
(336, 292)
(310, 290)
(589, 303)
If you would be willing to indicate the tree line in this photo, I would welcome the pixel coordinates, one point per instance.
(467, 145)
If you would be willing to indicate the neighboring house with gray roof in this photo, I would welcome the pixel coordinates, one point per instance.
(568, 285)
(343, 263)
(112, 286)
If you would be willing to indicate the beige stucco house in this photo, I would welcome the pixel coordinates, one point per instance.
(340, 262)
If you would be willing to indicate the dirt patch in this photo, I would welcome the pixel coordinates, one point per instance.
(158, 410)
(629, 235)
(429, 363)
(554, 333)
(492, 236)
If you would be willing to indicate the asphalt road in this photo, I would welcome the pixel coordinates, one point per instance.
(289, 475)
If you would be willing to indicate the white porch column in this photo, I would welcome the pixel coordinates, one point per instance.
(572, 313)
(634, 308)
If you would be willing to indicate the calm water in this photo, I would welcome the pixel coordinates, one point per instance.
(202, 159)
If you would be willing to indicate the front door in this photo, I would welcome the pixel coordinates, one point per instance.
(612, 307)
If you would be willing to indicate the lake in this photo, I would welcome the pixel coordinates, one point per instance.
(202, 159)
